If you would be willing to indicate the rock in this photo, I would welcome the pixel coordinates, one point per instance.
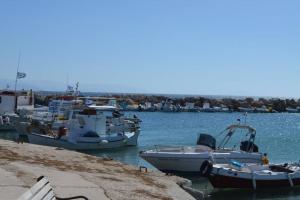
(187, 186)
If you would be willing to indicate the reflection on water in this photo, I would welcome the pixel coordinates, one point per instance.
(266, 194)
(237, 194)
(9, 135)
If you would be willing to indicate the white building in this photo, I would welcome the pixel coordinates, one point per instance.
(189, 106)
(148, 105)
(25, 100)
(7, 103)
(206, 105)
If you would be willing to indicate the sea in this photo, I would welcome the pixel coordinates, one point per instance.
(278, 134)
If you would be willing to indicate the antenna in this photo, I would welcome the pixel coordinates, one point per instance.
(76, 91)
(245, 115)
(67, 79)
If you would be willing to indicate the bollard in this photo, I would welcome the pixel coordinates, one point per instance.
(143, 168)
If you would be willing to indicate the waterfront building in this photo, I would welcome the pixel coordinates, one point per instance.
(25, 101)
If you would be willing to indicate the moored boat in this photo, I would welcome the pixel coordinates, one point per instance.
(189, 159)
(85, 142)
(253, 176)
(85, 130)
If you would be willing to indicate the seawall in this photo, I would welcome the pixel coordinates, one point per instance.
(73, 173)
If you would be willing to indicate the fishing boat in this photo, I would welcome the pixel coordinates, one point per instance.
(189, 159)
(85, 130)
(58, 114)
(252, 176)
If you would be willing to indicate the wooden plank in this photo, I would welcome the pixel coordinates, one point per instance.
(42, 193)
(50, 196)
(34, 189)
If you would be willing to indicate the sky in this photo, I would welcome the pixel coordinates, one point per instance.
(202, 47)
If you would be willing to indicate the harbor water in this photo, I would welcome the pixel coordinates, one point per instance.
(278, 134)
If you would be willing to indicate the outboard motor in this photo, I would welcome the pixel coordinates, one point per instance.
(247, 146)
(207, 140)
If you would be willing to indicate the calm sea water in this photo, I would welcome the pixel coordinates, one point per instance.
(277, 134)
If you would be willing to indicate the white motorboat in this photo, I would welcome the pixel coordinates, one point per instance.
(252, 176)
(188, 159)
(85, 142)
(85, 130)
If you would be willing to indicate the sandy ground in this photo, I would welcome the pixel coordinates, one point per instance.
(72, 173)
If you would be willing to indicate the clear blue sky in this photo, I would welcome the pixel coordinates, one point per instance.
(241, 47)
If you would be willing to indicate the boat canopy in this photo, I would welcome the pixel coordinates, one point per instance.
(232, 129)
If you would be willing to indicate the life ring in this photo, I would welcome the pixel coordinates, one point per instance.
(206, 168)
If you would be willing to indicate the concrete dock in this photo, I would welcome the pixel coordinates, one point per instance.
(72, 173)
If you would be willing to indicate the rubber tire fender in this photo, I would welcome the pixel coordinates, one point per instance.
(206, 168)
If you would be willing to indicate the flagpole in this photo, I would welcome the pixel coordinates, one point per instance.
(16, 81)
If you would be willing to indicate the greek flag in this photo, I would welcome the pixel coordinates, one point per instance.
(21, 75)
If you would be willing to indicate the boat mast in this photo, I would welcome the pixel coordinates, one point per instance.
(245, 117)
(76, 92)
(16, 81)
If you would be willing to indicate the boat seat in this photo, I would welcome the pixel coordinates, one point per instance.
(202, 148)
(280, 168)
(256, 167)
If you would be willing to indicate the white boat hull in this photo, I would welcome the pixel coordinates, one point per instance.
(191, 162)
(86, 143)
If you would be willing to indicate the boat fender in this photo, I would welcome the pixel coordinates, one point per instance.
(206, 168)
(290, 179)
(253, 181)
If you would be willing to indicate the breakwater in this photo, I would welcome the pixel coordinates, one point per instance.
(161, 103)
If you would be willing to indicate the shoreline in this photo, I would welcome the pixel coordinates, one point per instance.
(73, 173)
(163, 103)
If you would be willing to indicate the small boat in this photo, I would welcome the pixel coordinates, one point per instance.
(252, 176)
(189, 159)
(86, 142)
(85, 130)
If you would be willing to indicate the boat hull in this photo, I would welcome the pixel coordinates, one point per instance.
(191, 162)
(253, 176)
(87, 144)
(7, 128)
(219, 181)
